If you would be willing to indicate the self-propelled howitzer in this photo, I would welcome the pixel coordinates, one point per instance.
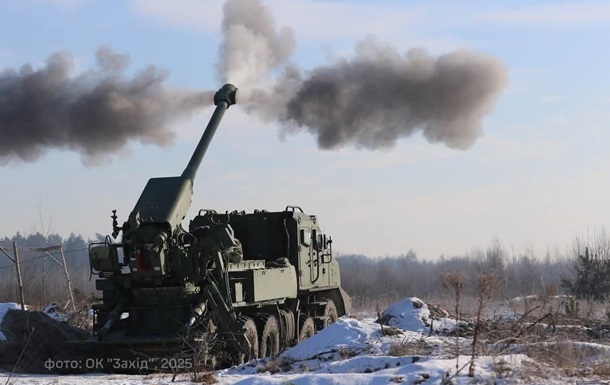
(257, 281)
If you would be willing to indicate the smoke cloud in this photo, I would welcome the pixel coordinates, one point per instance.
(251, 45)
(369, 100)
(95, 113)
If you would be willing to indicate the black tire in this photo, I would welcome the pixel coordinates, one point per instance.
(270, 338)
(308, 328)
(288, 333)
(249, 328)
(330, 313)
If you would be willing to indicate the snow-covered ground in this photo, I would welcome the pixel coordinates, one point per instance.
(357, 351)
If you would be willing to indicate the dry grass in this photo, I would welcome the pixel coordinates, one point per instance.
(390, 331)
(570, 358)
(271, 366)
(205, 378)
(601, 369)
(410, 347)
(558, 355)
(502, 368)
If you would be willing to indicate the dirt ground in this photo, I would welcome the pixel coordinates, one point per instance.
(33, 338)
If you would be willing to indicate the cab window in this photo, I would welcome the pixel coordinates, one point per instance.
(305, 237)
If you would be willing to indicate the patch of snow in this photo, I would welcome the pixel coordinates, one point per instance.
(534, 297)
(343, 334)
(55, 312)
(4, 308)
(412, 314)
(355, 351)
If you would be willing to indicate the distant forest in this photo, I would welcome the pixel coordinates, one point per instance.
(43, 278)
(370, 281)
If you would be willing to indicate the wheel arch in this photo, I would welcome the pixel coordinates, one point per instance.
(342, 300)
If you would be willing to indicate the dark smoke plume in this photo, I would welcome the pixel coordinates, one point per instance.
(95, 113)
(369, 100)
(380, 96)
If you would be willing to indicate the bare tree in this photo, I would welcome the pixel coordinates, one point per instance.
(42, 222)
(486, 288)
(454, 282)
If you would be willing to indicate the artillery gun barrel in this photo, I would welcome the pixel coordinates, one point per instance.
(223, 99)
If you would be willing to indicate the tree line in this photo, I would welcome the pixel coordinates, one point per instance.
(373, 281)
(583, 271)
(43, 278)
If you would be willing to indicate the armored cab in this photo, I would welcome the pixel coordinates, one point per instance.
(257, 282)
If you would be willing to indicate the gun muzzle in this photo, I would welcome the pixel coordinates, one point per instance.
(223, 99)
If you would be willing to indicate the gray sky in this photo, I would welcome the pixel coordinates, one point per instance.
(533, 172)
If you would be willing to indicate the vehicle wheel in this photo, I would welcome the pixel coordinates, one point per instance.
(249, 328)
(330, 313)
(308, 328)
(270, 338)
(288, 327)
